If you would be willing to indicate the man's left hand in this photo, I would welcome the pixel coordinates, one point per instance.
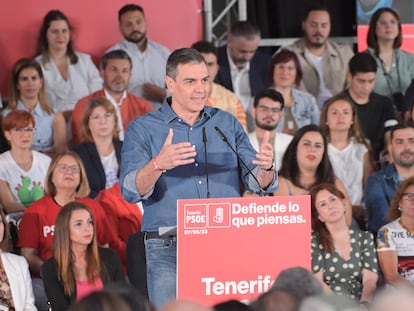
(265, 157)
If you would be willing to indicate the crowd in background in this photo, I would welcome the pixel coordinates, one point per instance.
(341, 125)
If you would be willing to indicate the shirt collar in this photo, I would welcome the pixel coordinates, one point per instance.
(169, 115)
(108, 96)
(36, 111)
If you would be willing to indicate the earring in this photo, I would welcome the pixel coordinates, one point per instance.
(399, 208)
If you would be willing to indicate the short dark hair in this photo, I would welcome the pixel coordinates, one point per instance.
(316, 7)
(245, 29)
(399, 126)
(181, 57)
(114, 54)
(205, 47)
(372, 39)
(362, 63)
(269, 93)
(283, 56)
(128, 8)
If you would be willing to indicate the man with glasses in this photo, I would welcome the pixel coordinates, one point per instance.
(380, 186)
(267, 111)
(115, 71)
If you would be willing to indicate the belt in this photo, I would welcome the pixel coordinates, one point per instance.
(156, 235)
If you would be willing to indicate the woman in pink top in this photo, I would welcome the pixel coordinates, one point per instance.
(78, 266)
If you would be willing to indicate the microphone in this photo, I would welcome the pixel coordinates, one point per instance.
(206, 164)
(224, 138)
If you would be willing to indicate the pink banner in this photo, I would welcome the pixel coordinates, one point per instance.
(234, 248)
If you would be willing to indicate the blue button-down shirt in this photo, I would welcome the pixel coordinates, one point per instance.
(144, 140)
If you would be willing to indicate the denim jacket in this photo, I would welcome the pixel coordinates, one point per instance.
(379, 191)
(305, 111)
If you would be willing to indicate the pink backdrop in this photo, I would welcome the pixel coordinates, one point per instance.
(173, 23)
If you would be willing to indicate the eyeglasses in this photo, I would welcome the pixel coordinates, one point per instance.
(63, 168)
(21, 130)
(268, 109)
(106, 116)
(408, 196)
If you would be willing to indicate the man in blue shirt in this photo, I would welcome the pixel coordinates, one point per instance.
(166, 155)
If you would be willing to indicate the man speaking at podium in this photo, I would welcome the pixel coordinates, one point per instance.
(185, 150)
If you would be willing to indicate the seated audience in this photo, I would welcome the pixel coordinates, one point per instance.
(395, 245)
(101, 150)
(22, 170)
(347, 144)
(306, 164)
(380, 186)
(267, 111)
(65, 182)
(69, 75)
(219, 96)
(300, 107)
(343, 259)
(78, 266)
(27, 92)
(115, 70)
(16, 285)
(395, 66)
(231, 305)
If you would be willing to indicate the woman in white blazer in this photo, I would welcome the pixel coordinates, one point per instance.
(17, 271)
(69, 75)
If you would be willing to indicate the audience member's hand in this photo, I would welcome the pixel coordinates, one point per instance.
(153, 92)
(265, 156)
(173, 155)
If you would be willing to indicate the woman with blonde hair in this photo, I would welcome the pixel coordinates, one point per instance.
(27, 92)
(101, 149)
(78, 266)
(347, 144)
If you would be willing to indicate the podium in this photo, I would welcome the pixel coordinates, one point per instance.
(233, 248)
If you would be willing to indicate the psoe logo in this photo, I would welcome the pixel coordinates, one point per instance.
(219, 215)
(195, 216)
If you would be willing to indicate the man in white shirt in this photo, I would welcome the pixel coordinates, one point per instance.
(148, 57)
(324, 63)
(267, 111)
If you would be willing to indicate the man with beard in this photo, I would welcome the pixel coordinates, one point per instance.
(267, 111)
(380, 186)
(323, 62)
(148, 57)
(243, 69)
(116, 72)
